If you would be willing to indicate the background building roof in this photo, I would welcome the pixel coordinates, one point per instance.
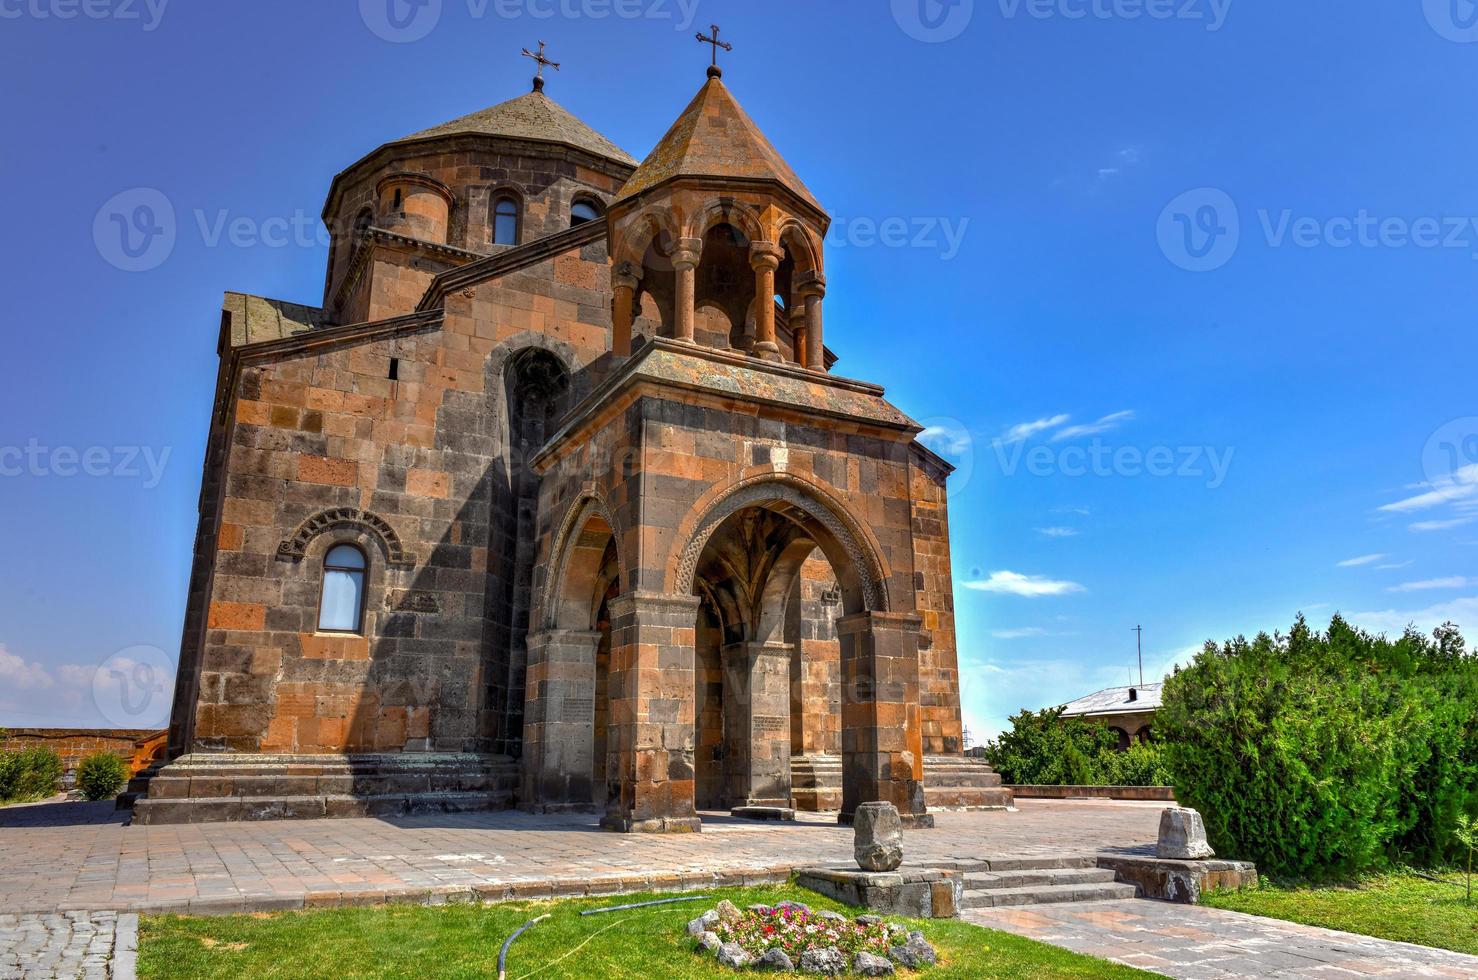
(1115, 701)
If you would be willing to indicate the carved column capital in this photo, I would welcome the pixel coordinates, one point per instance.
(685, 253)
(765, 256)
(810, 284)
(626, 274)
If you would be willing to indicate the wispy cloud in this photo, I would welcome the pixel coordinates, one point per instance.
(1444, 525)
(1462, 486)
(1463, 611)
(1427, 585)
(1057, 532)
(1391, 566)
(1362, 560)
(1106, 424)
(1019, 634)
(1031, 586)
(946, 440)
(1025, 430)
(18, 674)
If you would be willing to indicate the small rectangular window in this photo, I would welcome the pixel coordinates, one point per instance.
(394, 369)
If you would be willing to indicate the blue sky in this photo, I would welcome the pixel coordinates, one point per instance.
(1190, 299)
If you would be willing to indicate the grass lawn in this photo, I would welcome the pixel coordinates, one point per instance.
(463, 941)
(1397, 906)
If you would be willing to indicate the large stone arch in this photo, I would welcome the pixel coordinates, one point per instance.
(846, 541)
(567, 571)
(726, 210)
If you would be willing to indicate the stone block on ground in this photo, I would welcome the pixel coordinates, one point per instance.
(1182, 836)
(877, 837)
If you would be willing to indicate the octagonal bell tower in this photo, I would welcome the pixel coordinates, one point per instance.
(717, 239)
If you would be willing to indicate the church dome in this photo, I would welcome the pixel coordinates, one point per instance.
(533, 116)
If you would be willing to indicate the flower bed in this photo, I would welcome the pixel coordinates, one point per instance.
(791, 937)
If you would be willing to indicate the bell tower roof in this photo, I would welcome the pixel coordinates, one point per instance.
(532, 116)
(714, 137)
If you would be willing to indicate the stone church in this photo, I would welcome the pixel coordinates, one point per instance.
(557, 503)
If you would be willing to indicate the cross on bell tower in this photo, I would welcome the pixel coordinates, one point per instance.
(715, 71)
(541, 61)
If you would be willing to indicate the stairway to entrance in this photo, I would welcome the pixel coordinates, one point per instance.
(1039, 881)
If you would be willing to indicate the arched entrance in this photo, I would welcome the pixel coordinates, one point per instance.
(567, 717)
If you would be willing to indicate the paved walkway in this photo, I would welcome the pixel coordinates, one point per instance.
(80, 856)
(1200, 943)
(89, 945)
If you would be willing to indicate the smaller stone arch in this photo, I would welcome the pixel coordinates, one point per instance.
(572, 577)
(294, 548)
(654, 223)
(726, 210)
(804, 250)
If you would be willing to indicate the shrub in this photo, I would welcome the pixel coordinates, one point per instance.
(1326, 755)
(1142, 764)
(30, 774)
(1043, 748)
(101, 775)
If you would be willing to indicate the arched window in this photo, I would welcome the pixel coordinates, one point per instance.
(362, 224)
(341, 603)
(505, 220)
(581, 212)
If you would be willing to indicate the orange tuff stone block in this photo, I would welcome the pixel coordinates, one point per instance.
(229, 537)
(236, 616)
(333, 472)
(324, 647)
(427, 483)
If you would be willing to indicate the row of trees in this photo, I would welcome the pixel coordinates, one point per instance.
(1044, 749)
(35, 773)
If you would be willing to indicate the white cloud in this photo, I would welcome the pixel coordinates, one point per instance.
(1463, 485)
(1025, 430)
(1462, 611)
(1105, 424)
(1362, 560)
(1447, 525)
(1058, 532)
(1015, 583)
(946, 440)
(1391, 566)
(1019, 634)
(1451, 582)
(16, 674)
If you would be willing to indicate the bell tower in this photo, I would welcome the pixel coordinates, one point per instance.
(715, 241)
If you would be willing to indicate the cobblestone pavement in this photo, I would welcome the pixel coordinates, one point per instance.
(1199, 943)
(80, 856)
(88, 945)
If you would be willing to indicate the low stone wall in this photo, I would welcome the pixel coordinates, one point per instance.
(922, 894)
(134, 746)
(1180, 881)
(1158, 794)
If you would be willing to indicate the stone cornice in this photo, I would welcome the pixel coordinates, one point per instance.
(492, 266)
(404, 243)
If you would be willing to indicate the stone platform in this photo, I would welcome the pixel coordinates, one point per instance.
(209, 788)
(918, 893)
(950, 783)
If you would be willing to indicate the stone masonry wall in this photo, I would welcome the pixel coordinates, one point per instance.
(939, 676)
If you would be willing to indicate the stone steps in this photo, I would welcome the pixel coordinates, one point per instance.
(1040, 881)
(210, 810)
(1046, 895)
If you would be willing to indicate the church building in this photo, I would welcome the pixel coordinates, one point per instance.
(558, 503)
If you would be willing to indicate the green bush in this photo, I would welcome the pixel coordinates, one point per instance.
(30, 774)
(101, 776)
(1326, 755)
(1043, 748)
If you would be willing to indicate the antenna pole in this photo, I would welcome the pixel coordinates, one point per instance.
(1139, 643)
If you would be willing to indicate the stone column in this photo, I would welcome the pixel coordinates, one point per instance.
(650, 686)
(812, 289)
(624, 283)
(757, 724)
(765, 258)
(882, 747)
(685, 255)
(559, 715)
(798, 332)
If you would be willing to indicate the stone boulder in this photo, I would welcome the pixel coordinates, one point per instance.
(774, 959)
(871, 965)
(728, 911)
(829, 961)
(914, 954)
(732, 954)
(709, 942)
(1182, 836)
(877, 837)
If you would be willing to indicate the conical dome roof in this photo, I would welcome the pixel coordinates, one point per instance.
(534, 116)
(714, 137)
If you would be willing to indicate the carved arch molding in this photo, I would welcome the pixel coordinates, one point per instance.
(863, 563)
(295, 547)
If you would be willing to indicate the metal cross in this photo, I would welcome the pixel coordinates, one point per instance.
(716, 43)
(541, 60)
